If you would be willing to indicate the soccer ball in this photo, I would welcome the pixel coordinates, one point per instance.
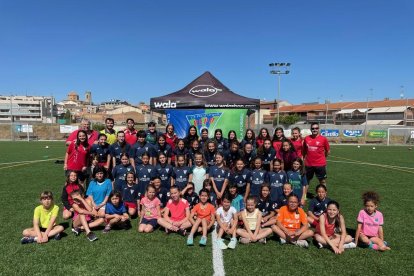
(373, 148)
(46, 147)
(359, 146)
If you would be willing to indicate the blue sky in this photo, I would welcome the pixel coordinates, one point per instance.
(134, 50)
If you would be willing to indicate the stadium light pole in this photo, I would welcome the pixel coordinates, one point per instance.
(406, 104)
(11, 118)
(281, 68)
(366, 116)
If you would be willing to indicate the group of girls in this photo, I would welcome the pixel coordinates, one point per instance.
(256, 187)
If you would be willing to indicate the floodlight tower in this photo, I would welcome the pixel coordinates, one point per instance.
(281, 68)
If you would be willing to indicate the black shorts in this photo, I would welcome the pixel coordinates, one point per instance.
(152, 222)
(320, 172)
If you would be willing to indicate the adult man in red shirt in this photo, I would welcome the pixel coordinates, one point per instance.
(130, 132)
(86, 126)
(315, 150)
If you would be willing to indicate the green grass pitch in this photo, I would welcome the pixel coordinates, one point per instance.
(351, 170)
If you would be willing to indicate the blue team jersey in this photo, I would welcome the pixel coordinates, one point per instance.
(282, 201)
(258, 177)
(144, 174)
(192, 199)
(138, 149)
(241, 179)
(111, 209)
(213, 198)
(101, 152)
(276, 181)
(181, 175)
(116, 150)
(130, 193)
(165, 173)
(268, 157)
(248, 158)
(119, 175)
(298, 181)
(232, 157)
(210, 158)
(317, 206)
(219, 175)
(167, 150)
(266, 206)
(183, 152)
(99, 190)
(191, 155)
(222, 145)
(163, 195)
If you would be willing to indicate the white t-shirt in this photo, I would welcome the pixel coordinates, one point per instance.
(199, 175)
(226, 217)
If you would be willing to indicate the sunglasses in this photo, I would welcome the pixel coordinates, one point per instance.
(315, 128)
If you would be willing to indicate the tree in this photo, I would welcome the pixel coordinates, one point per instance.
(98, 126)
(287, 119)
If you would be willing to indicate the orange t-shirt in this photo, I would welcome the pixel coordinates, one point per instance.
(203, 212)
(291, 220)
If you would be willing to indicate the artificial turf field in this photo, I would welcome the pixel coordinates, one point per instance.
(387, 170)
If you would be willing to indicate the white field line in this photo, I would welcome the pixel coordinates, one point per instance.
(374, 164)
(22, 163)
(218, 264)
(402, 169)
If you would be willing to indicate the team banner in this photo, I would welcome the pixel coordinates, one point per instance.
(352, 132)
(377, 134)
(211, 119)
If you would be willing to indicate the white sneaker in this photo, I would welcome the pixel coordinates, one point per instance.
(302, 243)
(262, 241)
(350, 245)
(320, 246)
(232, 244)
(221, 244)
(282, 241)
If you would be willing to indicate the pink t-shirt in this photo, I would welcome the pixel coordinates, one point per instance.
(370, 223)
(150, 207)
(177, 209)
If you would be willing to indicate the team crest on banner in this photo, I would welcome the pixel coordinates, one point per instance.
(204, 120)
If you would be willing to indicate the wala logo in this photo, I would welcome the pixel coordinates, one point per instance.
(168, 104)
(204, 91)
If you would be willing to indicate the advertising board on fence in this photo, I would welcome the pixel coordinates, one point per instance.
(211, 119)
(67, 128)
(330, 132)
(352, 132)
(377, 134)
(24, 128)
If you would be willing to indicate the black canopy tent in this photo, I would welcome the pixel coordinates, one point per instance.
(204, 92)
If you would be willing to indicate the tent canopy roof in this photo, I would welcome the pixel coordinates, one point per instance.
(206, 91)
